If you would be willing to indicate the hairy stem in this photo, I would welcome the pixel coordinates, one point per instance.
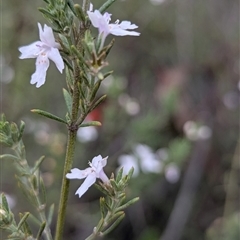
(72, 132)
(65, 185)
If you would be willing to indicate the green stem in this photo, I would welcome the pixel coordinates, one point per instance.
(72, 132)
(65, 185)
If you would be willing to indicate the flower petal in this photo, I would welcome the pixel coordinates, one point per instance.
(30, 51)
(116, 30)
(55, 56)
(89, 181)
(42, 64)
(95, 17)
(78, 174)
(127, 25)
(46, 36)
(98, 163)
(100, 21)
(103, 176)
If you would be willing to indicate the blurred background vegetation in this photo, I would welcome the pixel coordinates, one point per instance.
(172, 111)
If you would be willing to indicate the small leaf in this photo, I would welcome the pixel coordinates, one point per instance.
(37, 164)
(92, 123)
(26, 229)
(43, 190)
(119, 175)
(129, 175)
(84, 78)
(4, 203)
(114, 224)
(69, 65)
(79, 12)
(69, 78)
(127, 204)
(48, 115)
(94, 90)
(102, 206)
(47, 13)
(108, 48)
(71, 6)
(107, 74)
(115, 216)
(79, 55)
(114, 184)
(101, 189)
(21, 129)
(40, 231)
(68, 100)
(64, 43)
(106, 5)
(34, 182)
(50, 214)
(9, 157)
(98, 102)
(23, 219)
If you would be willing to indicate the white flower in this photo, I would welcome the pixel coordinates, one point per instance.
(91, 174)
(172, 173)
(105, 28)
(43, 50)
(148, 160)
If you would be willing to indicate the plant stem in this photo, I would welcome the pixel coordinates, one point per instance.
(65, 185)
(72, 132)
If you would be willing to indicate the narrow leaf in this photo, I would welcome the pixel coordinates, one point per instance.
(50, 214)
(119, 175)
(21, 129)
(92, 123)
(95, 89)
(9, 157)
(99, 101)
(23, 219)
(107, 74)
(47, 13)
(68, 100)
(68, 64)
(102, 206)
(43, 190)
(37, 164)
(114, 225)
(127, 204)
(79, 55)
(99, 226)
(106, 5)
(48, 115)
(71, 6)
(40, 231)
(4, 203)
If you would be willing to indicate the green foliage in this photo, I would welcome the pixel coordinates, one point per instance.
(29, 181)
(113, 204)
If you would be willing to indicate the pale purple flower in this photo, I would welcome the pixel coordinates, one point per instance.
(105, 28)
(91, 174)
(127, 162)
(43, 50)
(172, 173)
